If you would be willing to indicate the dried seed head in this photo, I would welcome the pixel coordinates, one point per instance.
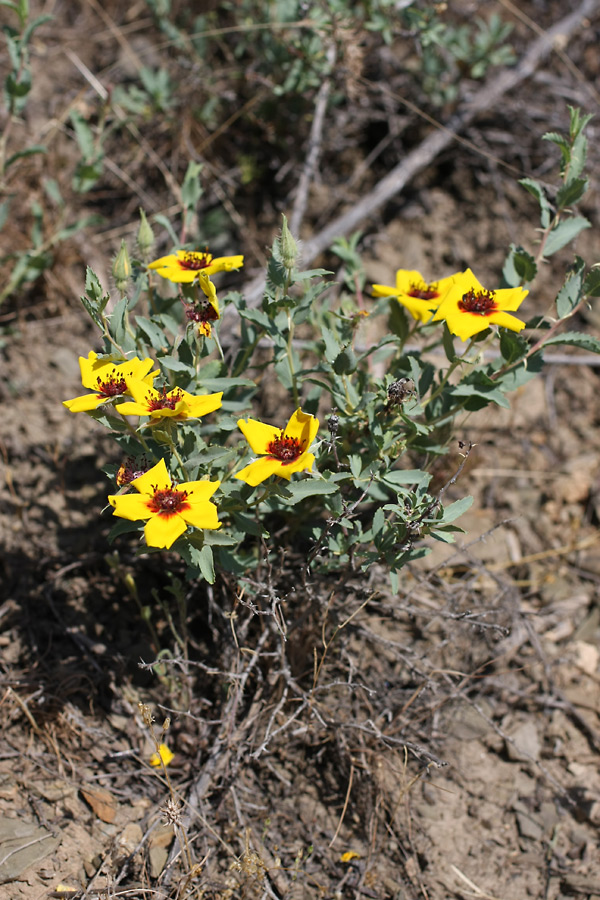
(146, 714)
(171, 812)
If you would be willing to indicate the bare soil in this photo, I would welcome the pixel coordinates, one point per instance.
(449, 745)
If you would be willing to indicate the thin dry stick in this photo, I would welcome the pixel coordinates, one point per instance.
(434, 143)
(314, 148)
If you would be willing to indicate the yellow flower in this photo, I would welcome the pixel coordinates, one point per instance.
(469, 308)
(184, 266)
(164, 756)
(418, 296)
(282, 451)
(204, 311)
(169, 508)
(176, 404)
(108, 380)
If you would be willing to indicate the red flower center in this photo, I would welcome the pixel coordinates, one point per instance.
(112, 386)
(168, 501)
(423, 291)
(165, 399)
(285, 449)
(481, 303)
(195, 261)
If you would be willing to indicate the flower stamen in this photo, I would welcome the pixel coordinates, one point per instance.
(284, 448)
(167, 501)
(195, 261)
(423, 291)
(481, 303)
(112, 385)
(165, 400)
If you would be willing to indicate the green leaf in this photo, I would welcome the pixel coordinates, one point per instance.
(83, 135)
(448, 344)
(577, 122)
(162, 220)
(406, 476)
(30, 151)
(519, 267)
(398, 322)
(563, 233)
(95, 299)
(578, 157)
(332, 345)
(571, 192)
(572, 290)
(118, 321)
(535, 188)
(575, 339)
(308, 487)
(455, 510)
(512, 346)
(563, 145)
(191, 189)
(155, 335)
(345, 363)
(591, 285)
(123, 526)
(172, 364)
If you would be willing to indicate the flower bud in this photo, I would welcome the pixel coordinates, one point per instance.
(289, 247)
(145, 236)
(121, 268)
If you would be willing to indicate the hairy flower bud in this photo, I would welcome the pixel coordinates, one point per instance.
(289, 247)
(121, 268)
(145, 236)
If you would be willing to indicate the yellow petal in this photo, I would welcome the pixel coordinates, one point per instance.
(303, 463)
(224, 264)
(258, 435)
(85, 403)
(348, 856)
(131, 506)
(303, 427)
(199, 490)
(259, 470)
(156, 477)
(198, 406)
(201, 514)
(163, 531)
(164, 756)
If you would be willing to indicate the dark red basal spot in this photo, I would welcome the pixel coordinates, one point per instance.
(481, 303)
(285, 449)
(168, 501)
(423, 291)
